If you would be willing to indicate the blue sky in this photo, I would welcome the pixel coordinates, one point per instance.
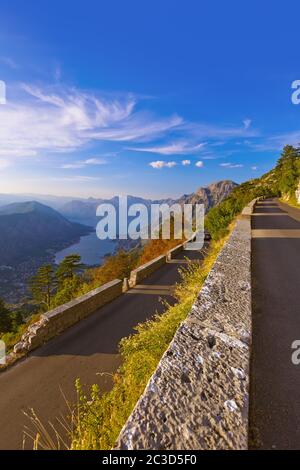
(152, 98)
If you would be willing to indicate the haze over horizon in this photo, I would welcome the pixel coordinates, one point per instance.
(174, 108)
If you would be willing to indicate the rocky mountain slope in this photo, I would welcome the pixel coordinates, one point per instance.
(210, 195)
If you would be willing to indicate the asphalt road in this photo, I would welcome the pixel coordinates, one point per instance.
(275, 380)
(86, 350)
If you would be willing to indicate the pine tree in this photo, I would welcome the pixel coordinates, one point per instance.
(43, 284)
(288, 170)
(68, 269)
(5, 319)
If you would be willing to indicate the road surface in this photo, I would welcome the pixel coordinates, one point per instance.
(85, 350)
(275, 381)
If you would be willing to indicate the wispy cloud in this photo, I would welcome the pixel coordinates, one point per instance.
(174, 148)
(186, 162)
(95, 161)
(9, 62)
(247, 123)
(289, 138)
(231, 165)
(77, 178)
(161, 164)
(199, 164)
(43, 120)
(84, 163)
(219, 132)
(57, 73)
(72, 166)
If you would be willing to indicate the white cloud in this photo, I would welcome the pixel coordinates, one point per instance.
(199, 164)
(161, 164)
(174, 148)
(95, 161)
(247, 123)
(72, 166)
(231, 165)
(186, 162)
(254, 168)
(64, 120)
(82, 164)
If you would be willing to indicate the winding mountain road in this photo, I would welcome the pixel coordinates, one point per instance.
(275, 380)
(88, 350)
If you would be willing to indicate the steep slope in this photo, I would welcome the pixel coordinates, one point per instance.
(282, 181)
(29, 229)
(211, 195)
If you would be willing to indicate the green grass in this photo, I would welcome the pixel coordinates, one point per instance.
(99, 418)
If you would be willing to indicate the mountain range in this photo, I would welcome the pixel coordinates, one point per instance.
(32, 231)
(84, 211)
(29, 229)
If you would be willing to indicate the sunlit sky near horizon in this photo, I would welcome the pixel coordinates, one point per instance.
(151, 98)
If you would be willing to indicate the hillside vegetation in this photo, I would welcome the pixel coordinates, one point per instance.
(282, 182)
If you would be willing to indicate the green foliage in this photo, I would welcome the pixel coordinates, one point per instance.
(12, 325)
(219, 217)
(42, 285)
(288, 171)
(69, 267)
(282, 180)
(5, 318)
(17, 329)
(117, 266)
(68, 290)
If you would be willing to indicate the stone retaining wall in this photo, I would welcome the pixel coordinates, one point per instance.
(198, 396)
(56, 321)
(146, 269)
(297, 193)
(174, 252)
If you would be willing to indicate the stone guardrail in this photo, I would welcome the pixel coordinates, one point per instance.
(249, 209)
(174, 252)
(198, 396)
(56, 321)
(137, 275)
(147, 269)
